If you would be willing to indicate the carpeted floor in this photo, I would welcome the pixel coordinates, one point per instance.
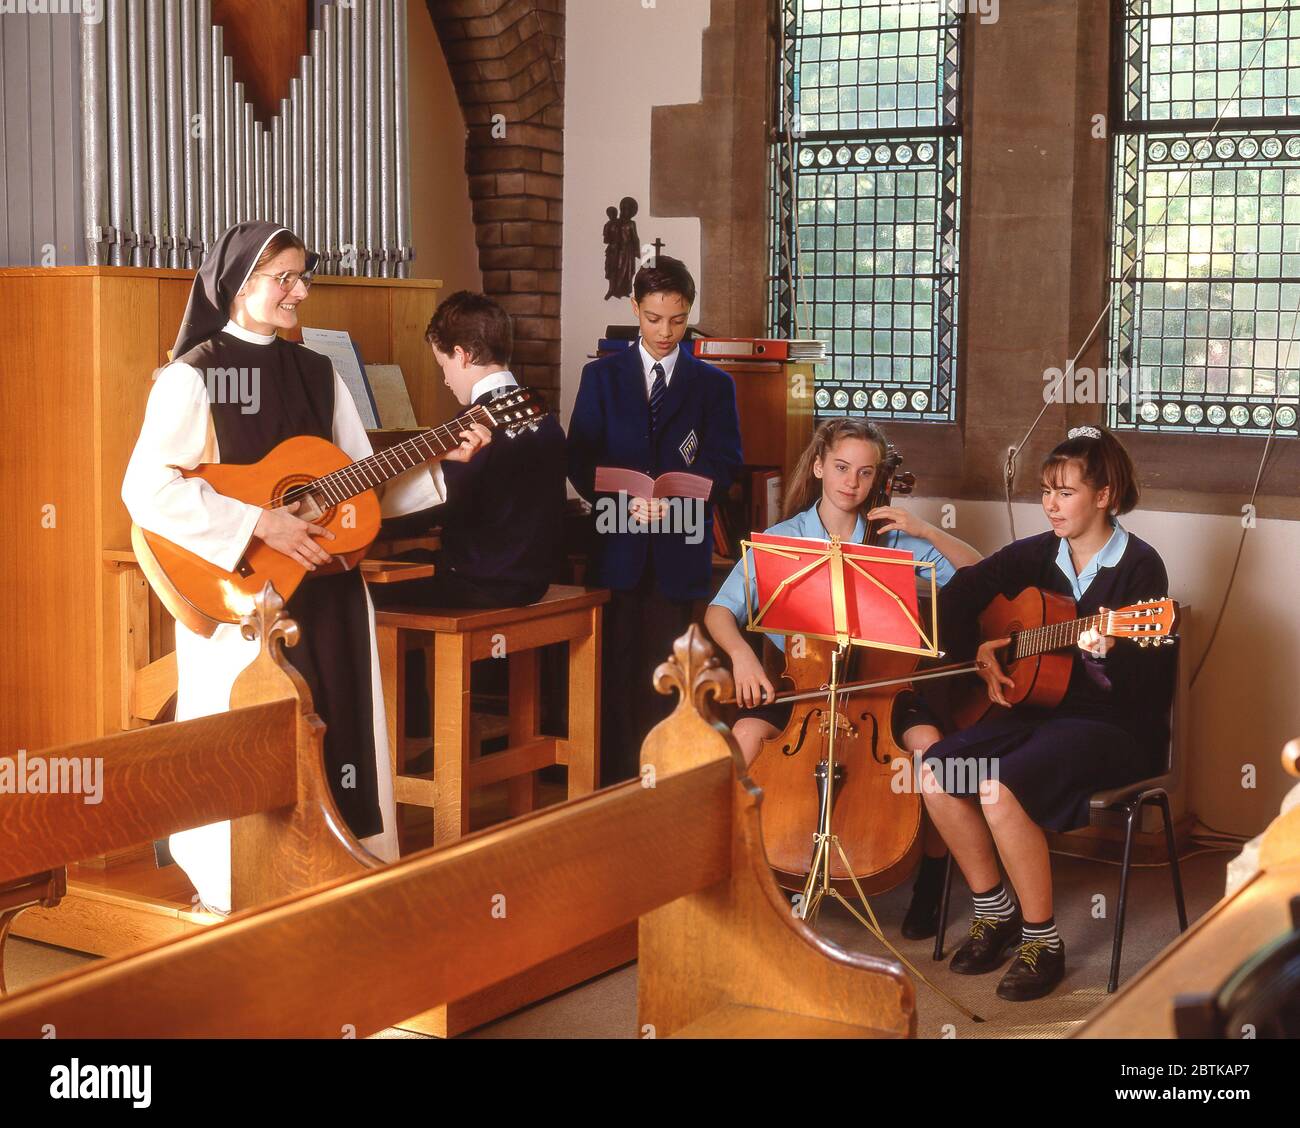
(1086, 893)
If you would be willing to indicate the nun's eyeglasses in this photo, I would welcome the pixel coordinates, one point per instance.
(288, 279)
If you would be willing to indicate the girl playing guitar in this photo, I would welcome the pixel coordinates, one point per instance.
(831, 484)
(1038, 769)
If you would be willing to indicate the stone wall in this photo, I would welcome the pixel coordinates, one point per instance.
(507, 62)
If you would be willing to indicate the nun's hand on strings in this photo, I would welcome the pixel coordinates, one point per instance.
(293, 536)
(472, 441)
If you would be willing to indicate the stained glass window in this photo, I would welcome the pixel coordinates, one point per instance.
(866, 195)
(1205, 265)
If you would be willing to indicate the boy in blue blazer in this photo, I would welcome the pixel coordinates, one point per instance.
(653, 408)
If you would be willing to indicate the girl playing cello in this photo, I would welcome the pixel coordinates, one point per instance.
(830, 487)
(1108, 730)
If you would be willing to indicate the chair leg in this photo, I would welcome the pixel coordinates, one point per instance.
(1162, 801)
(943, 908)
(1118, 944)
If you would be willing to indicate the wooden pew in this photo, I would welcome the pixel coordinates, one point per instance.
(680, 851)
(259, 764)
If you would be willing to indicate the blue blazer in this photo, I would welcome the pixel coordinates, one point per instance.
(699, 431)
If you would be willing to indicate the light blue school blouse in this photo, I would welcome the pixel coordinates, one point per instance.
(809, 524)
(1108, 557)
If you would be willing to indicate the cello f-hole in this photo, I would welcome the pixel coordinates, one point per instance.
(868, 716)
(792, 748)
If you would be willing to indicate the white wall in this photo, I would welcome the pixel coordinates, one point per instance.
(1246, 703)
(621, 58)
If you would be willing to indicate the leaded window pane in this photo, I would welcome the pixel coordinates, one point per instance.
(1205, 264)
(866, 191)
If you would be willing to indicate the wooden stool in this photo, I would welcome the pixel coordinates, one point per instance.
(460, 637)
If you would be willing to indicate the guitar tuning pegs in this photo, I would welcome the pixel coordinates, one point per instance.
(1144, 642)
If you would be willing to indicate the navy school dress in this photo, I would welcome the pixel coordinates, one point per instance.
(1111, 728)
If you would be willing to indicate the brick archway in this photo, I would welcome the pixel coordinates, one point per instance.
(506, 59)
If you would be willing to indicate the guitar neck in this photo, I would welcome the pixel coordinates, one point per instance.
(1055, 636)
(367, 473)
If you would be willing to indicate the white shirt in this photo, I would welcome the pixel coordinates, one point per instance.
(491, 382)
(648, 364)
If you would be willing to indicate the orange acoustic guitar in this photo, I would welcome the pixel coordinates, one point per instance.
(1039, 622)
(334, 492)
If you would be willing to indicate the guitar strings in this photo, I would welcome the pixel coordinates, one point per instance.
(1036, 640)
(348, 477)
(339, 479)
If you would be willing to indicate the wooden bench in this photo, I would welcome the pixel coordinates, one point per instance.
(680, 851)
(259, 764)
(457, 638)
(119, 899)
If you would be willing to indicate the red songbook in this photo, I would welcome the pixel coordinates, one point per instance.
(676, 483)
(792, 583)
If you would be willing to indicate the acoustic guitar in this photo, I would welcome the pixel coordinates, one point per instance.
(332, 491)
(1038, 623)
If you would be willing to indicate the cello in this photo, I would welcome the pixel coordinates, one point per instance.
(879, 825)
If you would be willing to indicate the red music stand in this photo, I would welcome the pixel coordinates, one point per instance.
(851, 595)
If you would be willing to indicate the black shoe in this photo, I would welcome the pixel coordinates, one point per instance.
(922, 919)
(1035, 971)
(988, 944)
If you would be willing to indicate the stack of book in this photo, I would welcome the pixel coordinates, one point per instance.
(803, 350)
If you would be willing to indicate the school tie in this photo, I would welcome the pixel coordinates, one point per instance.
(658, 390)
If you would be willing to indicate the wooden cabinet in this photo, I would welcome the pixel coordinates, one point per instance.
(79, 348)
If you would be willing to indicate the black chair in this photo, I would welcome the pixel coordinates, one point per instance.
(1127, 801)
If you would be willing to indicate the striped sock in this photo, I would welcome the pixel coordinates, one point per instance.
(1045, 933)
(995, 904)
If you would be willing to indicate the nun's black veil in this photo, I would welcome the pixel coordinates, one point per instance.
(225, 269)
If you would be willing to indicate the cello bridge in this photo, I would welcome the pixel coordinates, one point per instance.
(844, 727)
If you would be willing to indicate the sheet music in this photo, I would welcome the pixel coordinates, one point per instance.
(393, 401)
(344, 355)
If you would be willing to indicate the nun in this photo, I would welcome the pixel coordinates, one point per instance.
(248, 289)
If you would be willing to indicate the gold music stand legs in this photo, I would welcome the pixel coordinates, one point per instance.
(818, 886)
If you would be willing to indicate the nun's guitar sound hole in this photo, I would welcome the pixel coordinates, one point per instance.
(311, 505)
